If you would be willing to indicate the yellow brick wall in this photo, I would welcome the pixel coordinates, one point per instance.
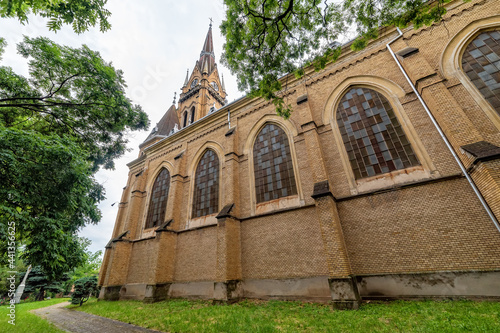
(196, 255)
(435, 227)
(283, 245)
(141, 267)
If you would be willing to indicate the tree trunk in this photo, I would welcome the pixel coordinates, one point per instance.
(40, 295)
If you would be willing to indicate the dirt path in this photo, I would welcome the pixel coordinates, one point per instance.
(81, 322)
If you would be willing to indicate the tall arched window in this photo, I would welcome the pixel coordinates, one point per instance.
(373, 138)
(206, 185)
(481, 63)
(158, 202)
(184, 123)
(192, 115)
(274, 177)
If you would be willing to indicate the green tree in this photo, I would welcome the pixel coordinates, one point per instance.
(90, 267)
(266, 39)
(57, 128)
(38, 283)
(81, 14)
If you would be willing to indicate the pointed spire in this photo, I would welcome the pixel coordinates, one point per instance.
(187, 78)
(207, 53)
(222, 84)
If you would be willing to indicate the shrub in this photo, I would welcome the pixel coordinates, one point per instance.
(84, 289)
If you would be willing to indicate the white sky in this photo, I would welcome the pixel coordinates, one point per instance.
(154, 42)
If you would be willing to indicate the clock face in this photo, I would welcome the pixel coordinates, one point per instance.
(195, 82)
(215, 86)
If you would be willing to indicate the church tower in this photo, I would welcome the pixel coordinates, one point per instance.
(203, 91)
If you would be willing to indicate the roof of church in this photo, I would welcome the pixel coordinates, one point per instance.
(166, 124)
(207, 55)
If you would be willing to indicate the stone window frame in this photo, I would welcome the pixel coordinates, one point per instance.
(149, 185)
(393, 93)
(286, 202)
(451, 61)
(208, 219)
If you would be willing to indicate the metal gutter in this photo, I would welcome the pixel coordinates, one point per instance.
(441, 133)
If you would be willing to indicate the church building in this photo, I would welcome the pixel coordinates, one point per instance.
(384, 182)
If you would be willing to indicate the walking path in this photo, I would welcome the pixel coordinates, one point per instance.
(81, 322)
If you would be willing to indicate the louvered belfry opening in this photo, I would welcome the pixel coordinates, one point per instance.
(373, 137)
(273, 167)
(206, 186)
(158, 201)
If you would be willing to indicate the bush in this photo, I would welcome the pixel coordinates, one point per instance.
(84, 289)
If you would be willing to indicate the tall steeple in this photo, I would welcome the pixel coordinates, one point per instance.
(207, 53)
(203, 91)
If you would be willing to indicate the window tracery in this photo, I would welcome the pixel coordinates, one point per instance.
(206, 186)
(273, 166)
(158, 201)
(481, 64)
(372, 135)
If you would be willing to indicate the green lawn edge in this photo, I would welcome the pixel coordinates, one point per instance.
(280, 316)
(27, 321)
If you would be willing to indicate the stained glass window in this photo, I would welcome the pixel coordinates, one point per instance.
(481, 63)
(274, 177)
(373, 138)
(206, 185)
(158, 202)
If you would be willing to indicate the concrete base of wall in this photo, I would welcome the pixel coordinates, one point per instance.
(314, 289)
(440, 285)
(342, 293)
(110, 293)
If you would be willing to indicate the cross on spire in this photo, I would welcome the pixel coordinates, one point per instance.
(210, 21)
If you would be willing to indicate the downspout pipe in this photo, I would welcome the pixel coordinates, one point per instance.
(441, 133)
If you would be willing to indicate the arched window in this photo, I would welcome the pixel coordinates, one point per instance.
(481, 63)
(158, 202)
(373, 138)
(184, 123)
(206, 185)
(274, 177)
(192, 115)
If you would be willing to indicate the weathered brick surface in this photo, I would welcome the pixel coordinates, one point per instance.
(196, 255)
(283, 245)
(376, 226)
(435, 227)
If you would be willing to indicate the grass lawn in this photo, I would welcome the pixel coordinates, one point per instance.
(27, 321)
(275, 316)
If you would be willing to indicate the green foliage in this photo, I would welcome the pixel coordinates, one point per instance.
(80, 14)
(3, 43)
(84, 289)
(266, 39)
(57, 128)
(38, 283)
(71, 92)
(90, 267)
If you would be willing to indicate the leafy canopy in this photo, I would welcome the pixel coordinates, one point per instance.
(81, 14)
(57, 128)
(266, 39)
